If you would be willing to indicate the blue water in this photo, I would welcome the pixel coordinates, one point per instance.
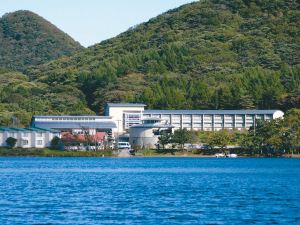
(149, 191)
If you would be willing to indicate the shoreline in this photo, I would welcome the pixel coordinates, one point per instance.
(18, 152)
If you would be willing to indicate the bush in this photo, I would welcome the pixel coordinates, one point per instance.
(11, 142)
(56, 144)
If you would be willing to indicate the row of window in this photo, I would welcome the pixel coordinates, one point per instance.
(131, 119)
(208, 117)
(26, 134)
(38, 142)
(72, 119)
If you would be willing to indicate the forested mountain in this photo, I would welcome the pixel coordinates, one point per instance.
(211, 54)
(21, 98)
(28, 39)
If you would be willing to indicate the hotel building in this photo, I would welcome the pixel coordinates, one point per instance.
(127, 115)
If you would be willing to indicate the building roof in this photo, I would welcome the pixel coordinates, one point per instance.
(30, 129)
(151, 118)
(272, 111)
(125, 105)
(66, 116)
(152, 125)
(75, 124)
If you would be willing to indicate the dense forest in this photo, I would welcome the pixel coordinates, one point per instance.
(28, 39)
(211, 54)
(20, 98)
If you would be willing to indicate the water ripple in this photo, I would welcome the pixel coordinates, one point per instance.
(149, 191)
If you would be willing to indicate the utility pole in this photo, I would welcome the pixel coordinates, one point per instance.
(118, 133)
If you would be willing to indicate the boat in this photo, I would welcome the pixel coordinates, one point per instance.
(222, 155)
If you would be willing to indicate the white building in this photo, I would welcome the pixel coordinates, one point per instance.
(75, 124)
(146, 135)
(210, 120)
(126, 115)
(28, 137)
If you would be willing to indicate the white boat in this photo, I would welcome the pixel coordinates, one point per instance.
(220, 155)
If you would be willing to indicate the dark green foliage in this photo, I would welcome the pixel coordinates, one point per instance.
(274, 137)
(56, 144)
(11, 142)
(164, 139)
(181, 137)
(22, 98)
(28, 39)
(219, 139)
(208, 54)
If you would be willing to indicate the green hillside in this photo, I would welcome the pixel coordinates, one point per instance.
(213, 54)
(28, 39)
(208, 54)
(22, 98)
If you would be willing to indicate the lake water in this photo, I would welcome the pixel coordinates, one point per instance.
(149, 191)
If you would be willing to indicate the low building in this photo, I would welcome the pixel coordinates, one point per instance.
(146, 135)
(75, 124)
(28, 137)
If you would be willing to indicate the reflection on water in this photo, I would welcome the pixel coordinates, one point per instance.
(149, 191)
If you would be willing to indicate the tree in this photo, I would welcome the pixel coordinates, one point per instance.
(11, 142)
(56, 143)
(292, 130)
(164, 138)
(267, 137)
(246, 102)
(219, 139)
(181, 137)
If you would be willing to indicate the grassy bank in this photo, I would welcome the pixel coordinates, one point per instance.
(208, 153)
(141, 153)
(51, 153)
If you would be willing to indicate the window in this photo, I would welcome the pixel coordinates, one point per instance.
(197, 118)
(25, 134)
(131, 119)
(187, 125)
(268, 117)
(197, 125)
(39, 142)
(39, 135)
(24, 142)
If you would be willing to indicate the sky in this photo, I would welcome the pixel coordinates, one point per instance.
(92, 21)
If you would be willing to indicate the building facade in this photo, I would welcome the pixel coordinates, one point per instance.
(28, 137)
(127, 115)
(213, 120)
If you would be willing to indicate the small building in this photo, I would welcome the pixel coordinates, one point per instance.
(28, 137)
(146, 135)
